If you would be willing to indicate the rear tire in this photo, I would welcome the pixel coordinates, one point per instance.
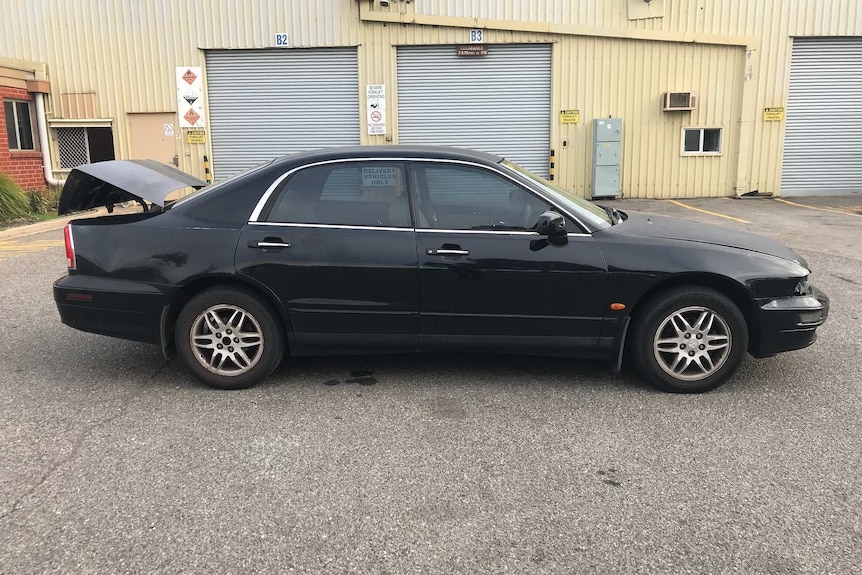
(229, 338)
(689, 340)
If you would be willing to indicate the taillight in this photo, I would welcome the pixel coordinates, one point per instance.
(70, 246)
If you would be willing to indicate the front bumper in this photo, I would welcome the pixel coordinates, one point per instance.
(791, 323)
(117, 308)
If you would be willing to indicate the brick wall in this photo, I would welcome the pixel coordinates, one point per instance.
(24, 167)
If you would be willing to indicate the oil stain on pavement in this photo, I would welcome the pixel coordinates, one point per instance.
(360, 376)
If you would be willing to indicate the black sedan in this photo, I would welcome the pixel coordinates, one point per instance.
(406, 249)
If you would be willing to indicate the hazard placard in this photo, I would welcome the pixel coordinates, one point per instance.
(190, 106)
(189, 76)
(191, 117)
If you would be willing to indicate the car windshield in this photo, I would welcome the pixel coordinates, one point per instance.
(577, 206)
(198, 193)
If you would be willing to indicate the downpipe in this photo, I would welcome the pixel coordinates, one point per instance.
(42, 123)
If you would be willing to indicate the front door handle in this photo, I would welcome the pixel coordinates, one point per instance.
(268, 243)
(447, 252)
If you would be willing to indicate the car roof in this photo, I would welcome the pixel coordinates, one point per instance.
(395, 151)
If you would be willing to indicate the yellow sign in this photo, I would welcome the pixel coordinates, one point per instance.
(773, 114)
(196, 136)
(570, 116)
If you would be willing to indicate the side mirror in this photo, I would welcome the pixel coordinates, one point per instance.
(551, 224)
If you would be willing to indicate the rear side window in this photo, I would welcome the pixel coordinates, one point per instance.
(353, 194)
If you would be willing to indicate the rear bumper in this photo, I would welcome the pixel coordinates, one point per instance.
(790, 323)
(117, 308)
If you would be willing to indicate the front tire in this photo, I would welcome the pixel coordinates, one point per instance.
(689, 340)
(229, 338)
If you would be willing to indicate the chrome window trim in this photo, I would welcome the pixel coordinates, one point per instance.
(417, 230)
(496, 232)
(330, 226)
(255, 214)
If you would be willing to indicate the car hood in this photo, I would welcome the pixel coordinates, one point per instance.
(648, 225)
(108, 183)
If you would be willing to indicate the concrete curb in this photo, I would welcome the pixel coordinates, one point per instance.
(47, 226)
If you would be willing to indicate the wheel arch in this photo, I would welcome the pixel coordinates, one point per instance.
(182, 296)
(726, 286)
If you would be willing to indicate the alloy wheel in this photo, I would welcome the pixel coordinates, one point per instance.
(692, 343)
(226, 340)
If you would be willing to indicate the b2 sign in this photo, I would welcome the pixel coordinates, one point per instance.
(281, 41)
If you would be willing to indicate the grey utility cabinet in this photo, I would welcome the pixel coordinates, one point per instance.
(607, 143)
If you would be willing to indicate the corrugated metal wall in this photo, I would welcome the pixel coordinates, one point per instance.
(630, 78)
(125, 53)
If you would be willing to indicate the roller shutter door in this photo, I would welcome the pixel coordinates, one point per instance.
(268, 103)
(499, 103)
(823, 135)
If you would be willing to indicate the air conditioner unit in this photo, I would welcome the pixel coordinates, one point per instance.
(675, 101)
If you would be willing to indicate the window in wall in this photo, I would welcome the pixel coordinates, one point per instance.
(465, 198)
(701, 141)
(354, 194)
(19, 126)
(82, 145)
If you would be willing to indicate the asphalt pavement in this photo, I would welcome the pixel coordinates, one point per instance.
(113, 460)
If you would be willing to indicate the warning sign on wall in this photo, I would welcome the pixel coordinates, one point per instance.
(773, 114)
(375, 97)
(570, 116)
(190, 105)
(196, 136)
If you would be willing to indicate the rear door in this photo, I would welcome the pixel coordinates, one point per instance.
(488, 280)
(335, 243)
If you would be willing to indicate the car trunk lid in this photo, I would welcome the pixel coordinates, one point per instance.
(108, 183)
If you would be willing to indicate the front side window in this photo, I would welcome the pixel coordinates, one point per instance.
(577, 206)
(701, 141)
(353, 194)
(19, 127)
(456, 197)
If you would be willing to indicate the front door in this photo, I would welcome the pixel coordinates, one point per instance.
(336, 244)
(487, 279)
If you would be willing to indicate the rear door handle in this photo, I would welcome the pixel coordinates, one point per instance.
(447, 252)
(269, 243)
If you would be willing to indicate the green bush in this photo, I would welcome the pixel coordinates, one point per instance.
(39, 202)
(52, 195)
(13, 203)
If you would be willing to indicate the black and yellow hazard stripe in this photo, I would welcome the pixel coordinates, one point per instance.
(209, 177)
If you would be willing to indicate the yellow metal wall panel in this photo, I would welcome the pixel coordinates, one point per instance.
(125, 52)
(626, 79)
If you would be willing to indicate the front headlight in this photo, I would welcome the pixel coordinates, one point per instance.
(803, 287)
